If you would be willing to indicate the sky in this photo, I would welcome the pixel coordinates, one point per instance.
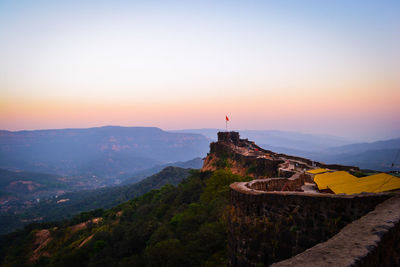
(323, 67)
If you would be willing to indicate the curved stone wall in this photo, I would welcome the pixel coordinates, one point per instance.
(267, 227)
(293, 183)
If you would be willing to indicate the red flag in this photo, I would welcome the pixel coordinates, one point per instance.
(226, 118)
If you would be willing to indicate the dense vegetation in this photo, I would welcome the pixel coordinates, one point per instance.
(172, 226)
(108, 197)
(196, 163)
(51, 209)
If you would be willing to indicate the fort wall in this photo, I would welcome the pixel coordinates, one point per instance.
(371, 240)
(252, 165)
(267, 226)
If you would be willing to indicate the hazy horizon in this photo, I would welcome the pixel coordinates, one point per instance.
(312, 67)
(349, 139)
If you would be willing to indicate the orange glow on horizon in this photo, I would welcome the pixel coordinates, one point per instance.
(269, 65)
(280, 109)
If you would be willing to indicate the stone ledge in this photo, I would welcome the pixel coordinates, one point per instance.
(243, 188)
(371, 240)
(272, 226)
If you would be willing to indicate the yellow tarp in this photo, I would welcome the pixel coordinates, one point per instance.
(317, 171)
(325, 180)
(373, 184)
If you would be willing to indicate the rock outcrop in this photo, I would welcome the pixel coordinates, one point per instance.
(245, 158)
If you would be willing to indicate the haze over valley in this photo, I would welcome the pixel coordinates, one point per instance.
(44, 166)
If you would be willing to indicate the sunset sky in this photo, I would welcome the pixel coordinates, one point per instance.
(330, 67)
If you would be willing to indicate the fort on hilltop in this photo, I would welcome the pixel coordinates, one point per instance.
(289, 216)
(245, 158)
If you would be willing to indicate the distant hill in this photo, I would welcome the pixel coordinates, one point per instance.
(102, 151)
(195, 163)
(286, 139)
(375, 155)
(363, 147)
(69, 204)
(380, 160)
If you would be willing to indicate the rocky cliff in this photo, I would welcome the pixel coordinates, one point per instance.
(245, 158)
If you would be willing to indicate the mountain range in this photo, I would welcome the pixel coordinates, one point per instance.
(294, 140)
(373, 156)
(117, 152)
(377, 155)
(103, 151)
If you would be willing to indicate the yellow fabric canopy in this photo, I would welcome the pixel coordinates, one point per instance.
(326, 180)
(317, 171)
(376, 183)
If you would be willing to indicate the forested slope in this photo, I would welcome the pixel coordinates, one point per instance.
(73, 203)
(171, 226)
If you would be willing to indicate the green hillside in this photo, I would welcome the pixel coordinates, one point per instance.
(171, 226)
(110, 196)
(73, 203)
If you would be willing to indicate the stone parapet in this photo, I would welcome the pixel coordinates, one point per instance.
(372, 240)
(268, 226)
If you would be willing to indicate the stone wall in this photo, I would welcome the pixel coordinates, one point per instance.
(230, 137)
(267, 227)
(253, 165)
(318, 164)
(280, 184)
(372, 240)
